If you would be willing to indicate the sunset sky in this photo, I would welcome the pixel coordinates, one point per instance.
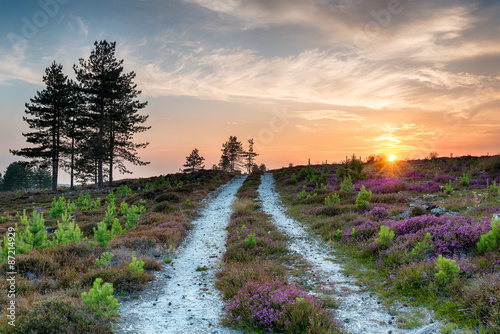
(318, 79)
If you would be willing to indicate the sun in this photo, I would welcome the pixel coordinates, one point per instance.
(392, 158)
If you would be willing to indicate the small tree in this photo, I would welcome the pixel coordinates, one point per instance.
(232, 151)
(249, 156)
(194, 162)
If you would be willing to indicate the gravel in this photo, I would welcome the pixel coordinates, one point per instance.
(182, 299)
(360, 311)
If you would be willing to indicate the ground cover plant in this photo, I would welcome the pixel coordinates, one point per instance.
(254, 280)
(78, 252)
(426, 229)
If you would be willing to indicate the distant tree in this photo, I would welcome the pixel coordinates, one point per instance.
(39, 178)
(249, 156)
(433, 155)
(112, 109)
(16, 177)
(232, 151)
(194, 162)
(1, 182)
(48, 110)
(262, 167)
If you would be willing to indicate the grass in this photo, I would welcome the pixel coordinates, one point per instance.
(50, 281)
(405, 265)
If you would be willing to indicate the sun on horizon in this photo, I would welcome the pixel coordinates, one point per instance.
(392, 158)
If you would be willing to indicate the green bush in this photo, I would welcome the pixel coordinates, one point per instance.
(490, 241)
(448, 188)
(448, 269)
(58, 207)
(385, 236)
(124, 190)
(346, 186)
(100, 299)
(136, 266)
(67, 232)
(102, 235)
(123, 211)
(33, 235)
(104, 261)
(363, 198)
(333, 199)
(250, 240)
(465, 180)
(423, 246)
(116, 228)
(110, 214)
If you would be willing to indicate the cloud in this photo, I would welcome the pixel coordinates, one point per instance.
(13, 66)
(337, 115)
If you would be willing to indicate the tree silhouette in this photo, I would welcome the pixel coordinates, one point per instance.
(231, 154)
(194, 162)
(249, 156)
(48, 110)
(111, 109)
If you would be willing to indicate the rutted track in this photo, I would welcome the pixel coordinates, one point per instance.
(359, 310)
(188, 301)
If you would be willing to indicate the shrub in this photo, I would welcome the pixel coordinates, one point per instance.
(58, 207)
(123, 190)
(465, 180)
(250, 240)
(164, 207)
(104, 261)
(423, 246)
(385, 236)
(494, 188)
(333, 199)
(167, 197)
(491, 240)
(136, 266)
(482, 298)
(448, 188)
(123, 211)
(67, 232)
(293, 179)
(363, 198)
(448, 269)
(346, 186)
(33, 235)
(60, 314)
(277, 307)
(102, 235)
(116, 228)
(110, 215)
(100, 299)
(132, 219)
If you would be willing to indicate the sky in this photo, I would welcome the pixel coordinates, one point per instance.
(306, 79)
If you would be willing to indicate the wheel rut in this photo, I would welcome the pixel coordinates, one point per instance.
(185, 299)
(360, 311)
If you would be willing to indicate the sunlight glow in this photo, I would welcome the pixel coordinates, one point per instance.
(392, 158)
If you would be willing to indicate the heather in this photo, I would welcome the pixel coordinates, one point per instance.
(68, 240)
(424, 228)
(254, 279)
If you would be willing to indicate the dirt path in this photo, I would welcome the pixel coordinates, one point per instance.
(185, 300)
(360, 311)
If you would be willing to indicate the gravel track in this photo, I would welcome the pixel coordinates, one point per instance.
(360, 311)
(185, 300)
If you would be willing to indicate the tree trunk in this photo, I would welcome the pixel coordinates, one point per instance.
(54, 158)
(72, 167)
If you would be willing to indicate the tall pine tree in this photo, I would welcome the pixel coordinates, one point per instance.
(48, 110)
(112, 109)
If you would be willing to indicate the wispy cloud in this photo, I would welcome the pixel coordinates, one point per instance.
(337, 115)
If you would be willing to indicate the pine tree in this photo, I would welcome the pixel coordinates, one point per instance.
(194, 162)
(48, 109)
(112, 109)
(249, 156)
(231, 154)
(16, 177)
